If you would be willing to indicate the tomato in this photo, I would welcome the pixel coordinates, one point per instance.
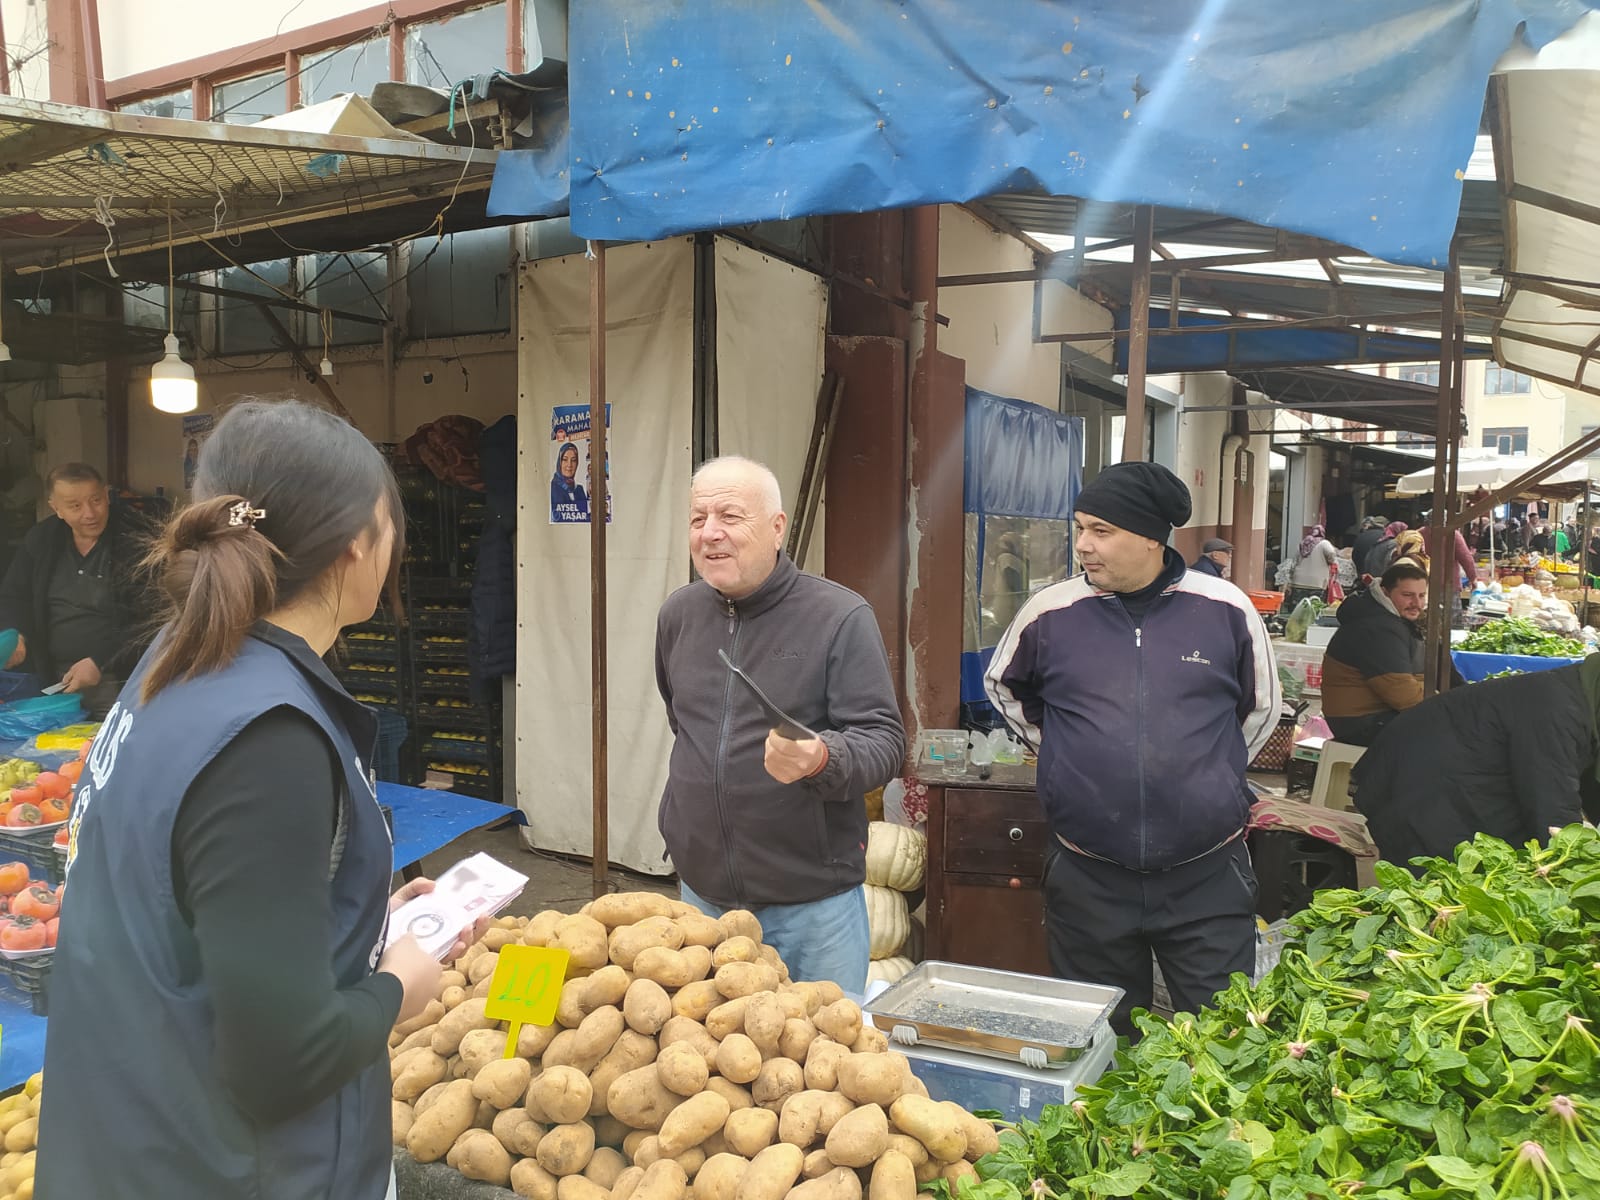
(24, 814)
(53, 786)
(24, 933)
(28, 793)
(51, 927)
(13, 878)
(38, 901)
(72, 772)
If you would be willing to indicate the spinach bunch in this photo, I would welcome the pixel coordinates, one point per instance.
(1432, 1038)
(1518, 635)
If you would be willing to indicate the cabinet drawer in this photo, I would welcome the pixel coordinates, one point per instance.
(995, 833)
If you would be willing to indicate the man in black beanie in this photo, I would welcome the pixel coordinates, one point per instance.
(1146, 689)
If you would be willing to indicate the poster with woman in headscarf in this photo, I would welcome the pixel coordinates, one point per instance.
(572, 477)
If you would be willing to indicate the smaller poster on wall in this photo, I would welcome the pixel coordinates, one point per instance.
(572, 477)
(197, 428)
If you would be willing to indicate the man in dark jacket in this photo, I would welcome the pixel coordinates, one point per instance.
(1512, 757)
(75, 591)
(1371, 534)
(1146, 688)
(754, 819)
(1373, 667)
(1216, 556)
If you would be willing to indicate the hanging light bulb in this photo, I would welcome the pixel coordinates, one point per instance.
(173, 388)
(326, 365)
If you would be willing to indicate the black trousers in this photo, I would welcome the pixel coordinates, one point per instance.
(1199, 919)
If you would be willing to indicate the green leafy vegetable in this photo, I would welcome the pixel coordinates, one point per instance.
(1518, 635)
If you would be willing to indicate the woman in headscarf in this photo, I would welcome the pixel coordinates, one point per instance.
(1513, 757)
(568, 500)
(1378, 559)
(1410, 545)
(1314, 562)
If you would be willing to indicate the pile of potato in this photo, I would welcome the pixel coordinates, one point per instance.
(19, 1127)
(682, 1063)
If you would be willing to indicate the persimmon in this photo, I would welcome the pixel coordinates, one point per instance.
(13, 878)
(38, 901)
(28, 793)
(50, 929)
(24, 933)
(52, 785)
(54, 809)
(71, 772)
(24, 814)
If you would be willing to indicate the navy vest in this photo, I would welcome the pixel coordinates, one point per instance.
(136, 1107)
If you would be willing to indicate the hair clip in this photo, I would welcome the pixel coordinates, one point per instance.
(242, 514)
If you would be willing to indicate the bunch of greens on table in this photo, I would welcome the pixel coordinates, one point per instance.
(1518, 635)
(1430, 1038)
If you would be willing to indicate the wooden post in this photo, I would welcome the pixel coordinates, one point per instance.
(1138, 332)
(599, 511)
(1436, 671)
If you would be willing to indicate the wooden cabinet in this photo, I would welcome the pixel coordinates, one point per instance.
(986, 851)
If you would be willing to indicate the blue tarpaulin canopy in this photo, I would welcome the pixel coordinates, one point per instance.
(1352, 121)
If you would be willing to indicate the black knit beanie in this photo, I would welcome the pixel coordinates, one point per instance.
(1143, 498)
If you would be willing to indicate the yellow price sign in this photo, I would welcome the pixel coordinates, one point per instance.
(525, 988)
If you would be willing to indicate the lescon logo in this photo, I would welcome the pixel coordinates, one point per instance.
(1195, 658)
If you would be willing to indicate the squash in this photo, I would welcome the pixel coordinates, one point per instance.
(896, 856)
(889, 970)
(888, 922)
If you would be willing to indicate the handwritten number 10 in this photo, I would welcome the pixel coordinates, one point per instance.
(525, 986)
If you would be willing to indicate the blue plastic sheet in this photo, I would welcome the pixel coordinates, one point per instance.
(426, 820)
(533, 183)
(1475, 667)
(1349, 121)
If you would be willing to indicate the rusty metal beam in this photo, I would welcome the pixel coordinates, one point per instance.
(599, 511)
(89, 31)
(1330, 321)
(1138, 333)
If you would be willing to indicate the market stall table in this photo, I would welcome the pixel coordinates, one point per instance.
(425, 821)
(1476, 666)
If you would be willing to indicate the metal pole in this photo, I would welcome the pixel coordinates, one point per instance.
(1442, 565)
(1138, 332)
(599, 512)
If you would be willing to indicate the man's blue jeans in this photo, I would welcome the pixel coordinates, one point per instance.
(824, 939)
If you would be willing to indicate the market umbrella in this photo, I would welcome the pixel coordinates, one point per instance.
(1489, 469)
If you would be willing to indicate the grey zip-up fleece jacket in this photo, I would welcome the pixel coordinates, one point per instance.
(736, 835)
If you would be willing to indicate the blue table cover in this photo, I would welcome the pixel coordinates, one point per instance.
(1475, 666)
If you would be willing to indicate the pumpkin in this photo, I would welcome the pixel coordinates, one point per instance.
(888, 970)
(888, 922)
(896, 856)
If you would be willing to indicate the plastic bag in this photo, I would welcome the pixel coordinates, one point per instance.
(1301, 619)
(22, 719)
(1335, 592)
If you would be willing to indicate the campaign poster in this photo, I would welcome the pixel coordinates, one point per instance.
(573, 473)
(197, 428)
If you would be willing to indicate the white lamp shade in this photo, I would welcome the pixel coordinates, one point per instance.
(172, 384)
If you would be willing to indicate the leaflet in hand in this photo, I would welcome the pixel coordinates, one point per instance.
(475, 887)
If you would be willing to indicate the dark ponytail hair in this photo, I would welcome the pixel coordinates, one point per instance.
(319, 484)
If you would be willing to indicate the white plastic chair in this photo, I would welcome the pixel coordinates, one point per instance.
(1331, 789)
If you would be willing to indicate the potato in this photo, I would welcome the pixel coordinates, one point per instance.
(894, 1177)
(456, 1024)
(632, 1051)
(819, 994)
(799, 1118)
(727, 1017)
(436, 1129)
(795, 1040)
(401, 1117)
(480, 990)
(531, 1180)
(534, 1040)
(858, 1139)
(932, 1125)
(562, 1051)
(421, 1071)
(639, 1142)
(980, 1134)
(840, 1020)
(605, 1166)
(737, 979)
(682, 1069)
(696, 1119)
(699, 960)
(696, 1000)
(822, 1064)
(421, 1037)
(771, 1173)
(834, 1109)
(518, 1132)
(717, 1143)
(763, 1022)
(541, 929)
(598, 1033)
(670, 968)
(452, 997)
(699, 929)
(663, 1180)
(816, 1165)
(584, 939)
(929, 1171)
(915, 1087)
(432, 1014)
(606, 986)
(779, 1079)
(496, 940)
(738, 1059)
(739, 922)
(570, 1011)
(751, 1130)
(480, 1048)
(426, 1100)
(608, 1131)
(769, 955)
(628, 908)
(871, 1041)
(719, 1179)
(681, 1029)
(646, 1007)
(560, 1094)
(450, 979)
(627, 1183)
(482, 968)
(873, 1078)
(955, 1172)
(736, 949)
(737, 1097)
(479, 1155)
(504, 1082)
(628, 941)
(647, 1151)
(484, 1119)
(640, 1100)
(913, 1151)
(579, 1187)
(841, 1183)
(566, 1149)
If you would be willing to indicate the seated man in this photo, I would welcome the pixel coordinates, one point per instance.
(1373, 667)
(74, 590)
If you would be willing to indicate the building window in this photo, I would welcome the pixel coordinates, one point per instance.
(442, 53)
(173, 104)
(349, 283)
(242, 327)
(461, 284)
(1498, 381)
(1507, 441)
(1587, 430)
(1427, 373)
(246, 101)
(358, 68)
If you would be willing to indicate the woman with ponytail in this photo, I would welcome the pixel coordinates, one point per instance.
(223, 989)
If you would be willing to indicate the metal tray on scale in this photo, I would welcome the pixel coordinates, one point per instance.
(1002, 1014)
